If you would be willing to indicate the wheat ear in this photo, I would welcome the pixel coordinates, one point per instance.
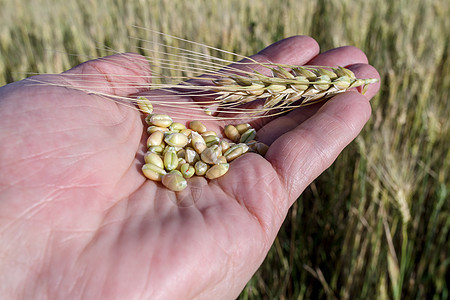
(287, 85)
(227, 89)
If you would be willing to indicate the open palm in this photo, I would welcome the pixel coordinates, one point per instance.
(79, 220)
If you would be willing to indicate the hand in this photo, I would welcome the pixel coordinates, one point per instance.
(79, 220)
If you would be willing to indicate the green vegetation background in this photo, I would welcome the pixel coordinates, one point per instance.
(373, 226)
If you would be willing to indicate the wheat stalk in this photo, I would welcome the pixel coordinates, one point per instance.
(228, 89)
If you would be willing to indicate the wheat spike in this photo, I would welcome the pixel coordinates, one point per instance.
(233, 90)
(284, 87)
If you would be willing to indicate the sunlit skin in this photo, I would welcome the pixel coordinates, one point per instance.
(79, 220)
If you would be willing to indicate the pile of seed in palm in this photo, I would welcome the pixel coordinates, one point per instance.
(177, 152)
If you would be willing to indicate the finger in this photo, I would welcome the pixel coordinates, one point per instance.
(269, 132)
(121, 74)
(300, 155)
(342, 56)
(296, 50)
(277, 127)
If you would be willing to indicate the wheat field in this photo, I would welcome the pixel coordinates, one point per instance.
(373, 226)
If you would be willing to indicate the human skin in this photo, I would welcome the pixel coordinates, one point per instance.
(78, 220)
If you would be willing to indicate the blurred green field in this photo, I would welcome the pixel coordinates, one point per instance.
(373, 226)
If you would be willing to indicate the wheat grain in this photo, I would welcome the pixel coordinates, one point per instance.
(155, 139)
(154, 159)
(217, 171)
(187, 170)
(153, 172)
(176, 139)
(174, 181)
(248, 135)
(197, 126)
